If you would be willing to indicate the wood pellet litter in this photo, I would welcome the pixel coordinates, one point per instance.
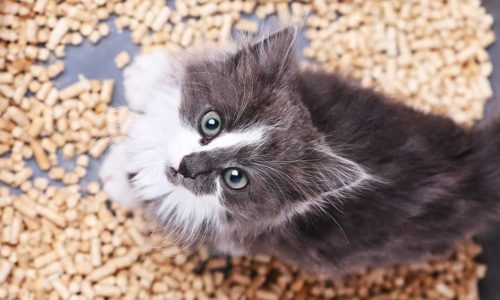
(70, 242)
(122, 59)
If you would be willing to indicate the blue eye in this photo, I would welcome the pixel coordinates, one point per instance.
(210, 124)
(235, 178)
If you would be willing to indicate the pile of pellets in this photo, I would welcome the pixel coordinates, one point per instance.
(62, 239)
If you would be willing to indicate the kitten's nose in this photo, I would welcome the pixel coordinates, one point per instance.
(194, 164)
(183, 169)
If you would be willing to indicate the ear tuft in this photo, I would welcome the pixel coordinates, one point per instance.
(273, 54)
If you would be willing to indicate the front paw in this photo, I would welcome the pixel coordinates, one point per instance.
(224, 247)
(114, 178)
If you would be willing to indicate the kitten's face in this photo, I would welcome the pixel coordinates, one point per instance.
(227, 141)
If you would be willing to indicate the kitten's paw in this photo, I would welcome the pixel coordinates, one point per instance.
(114, 178)
(147, 74)
(226, 248)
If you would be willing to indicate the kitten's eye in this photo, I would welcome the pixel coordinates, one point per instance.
(235, 178)
(211, 124)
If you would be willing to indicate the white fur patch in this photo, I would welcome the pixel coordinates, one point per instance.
(188, 142)
(114, 177)
(157, 140)
(147, 74)
(250, 136)
(187, 209)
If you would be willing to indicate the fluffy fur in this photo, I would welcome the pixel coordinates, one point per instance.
(339, 176)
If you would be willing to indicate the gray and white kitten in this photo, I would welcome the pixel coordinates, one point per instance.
(249, 153)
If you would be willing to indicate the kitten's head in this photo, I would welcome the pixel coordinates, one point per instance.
(226, 141)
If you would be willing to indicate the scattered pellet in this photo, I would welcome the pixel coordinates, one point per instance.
(45, 259)
(5, 269)
(60, 288)
(58, 32)
(55, 68)
(75, 89)
(98, 147)
(107, 290)
(106, 91)
(122, 59)
(41, 158)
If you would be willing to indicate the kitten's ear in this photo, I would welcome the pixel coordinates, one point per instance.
(335, 174)
(274, 54)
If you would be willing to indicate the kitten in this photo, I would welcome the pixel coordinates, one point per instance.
(251, 154)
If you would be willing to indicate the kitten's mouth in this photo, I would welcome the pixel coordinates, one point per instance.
(199, 185)
(175, 177)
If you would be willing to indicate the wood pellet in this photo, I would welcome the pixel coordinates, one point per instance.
(66, 241)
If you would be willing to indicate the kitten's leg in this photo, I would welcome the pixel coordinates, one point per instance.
(114, 177)
(146, 75)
